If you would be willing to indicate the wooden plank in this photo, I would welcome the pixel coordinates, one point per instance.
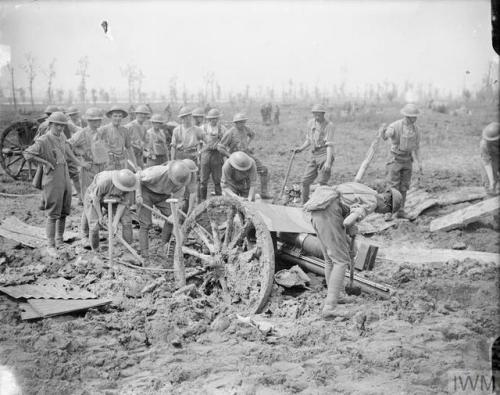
(461, 194)
(466, 215)
(53, 307)
(418, 201)
(434, 255)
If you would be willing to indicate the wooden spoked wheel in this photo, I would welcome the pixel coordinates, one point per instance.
(13, 141)
(234, 246)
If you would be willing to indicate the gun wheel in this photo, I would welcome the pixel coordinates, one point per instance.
(13, 141)
(235, 248)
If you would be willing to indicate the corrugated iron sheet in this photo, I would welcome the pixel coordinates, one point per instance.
(50, 289)
(283, 218)
(53, 307)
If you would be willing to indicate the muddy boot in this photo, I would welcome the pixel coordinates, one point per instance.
(203, 192)
(218, 189)
(305, 193)
(166, 232)
(335, 285)
(401, 212)
(42, 205)
(264, 194)
(94, 239)
(50, 231)
(60, 226)
(144, 243)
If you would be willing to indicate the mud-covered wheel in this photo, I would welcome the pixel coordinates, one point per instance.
(13, 141)
(235, 247)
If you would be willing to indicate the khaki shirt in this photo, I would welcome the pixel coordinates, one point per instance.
(102, 188)
(237, 179)
(157, 142)
(234, 140)
(319, 136)
(137, 134)
(187, 139)
(117, 139)
(157, 180)
(212, 135)
(89, 145)
(405, 138)
(51, 148)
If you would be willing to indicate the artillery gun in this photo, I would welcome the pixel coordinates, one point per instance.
(238, 242)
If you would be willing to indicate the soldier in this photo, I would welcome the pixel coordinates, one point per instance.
(158, 183)
(405, 149)
(238, 138)
(113, 184)
(334, 211)
(212, 156)
(117, 139)
(51, 151)
(42, 128)
(198, 115)
(276, 118)
(157, 146)
(74, 116)
(88, 145)
(319, 136)
(490, 154)
(187, 138)
(138, 130)
(239, 174)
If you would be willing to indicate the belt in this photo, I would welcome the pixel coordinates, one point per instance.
(191, 149)
(116, 156)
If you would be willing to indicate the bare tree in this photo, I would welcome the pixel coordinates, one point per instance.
(30, 69)
(60, 95)
(173, 89)
(50, 73)
(130, 72)
(83, 66)
(10, 68)
(139, 77)
(93, 92)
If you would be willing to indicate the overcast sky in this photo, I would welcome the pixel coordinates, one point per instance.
(253, 42)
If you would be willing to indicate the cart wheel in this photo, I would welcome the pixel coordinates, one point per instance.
(234, 246)
(13, 141)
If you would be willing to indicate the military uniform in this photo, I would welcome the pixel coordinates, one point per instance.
(239, 181)
(102, 188)
(88, 144)
(211, 159)
(156, 188)
(138, 140)
(405, 139)
(157, 147)
(328, 207)
(319, 136)
(490, 155)
(118, 141)
(186, 142)
(56, 185)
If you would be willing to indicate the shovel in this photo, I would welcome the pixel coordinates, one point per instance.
(352, 289)
(286, 176)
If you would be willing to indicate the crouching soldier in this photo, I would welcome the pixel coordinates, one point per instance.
(490, 155)
(239, 174)
(51, 151)
(157, 146)
(109, 184)
(157, 184)
(334, 211)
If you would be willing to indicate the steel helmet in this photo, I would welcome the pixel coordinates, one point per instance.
(124, 180)
(397, 199)
(410, 110)
(239, 117)
(184, 111)
(72, 110)
(157, 118)
(93, 114)
(50, 109)
(318, 108)
(172, 125)
(58, 117)
(191, 165)
(213, 113)
(492, 132)
(116, 109)
(240, 161)
(198, 112)
(179, 173)
(142, 109)
(62, 109)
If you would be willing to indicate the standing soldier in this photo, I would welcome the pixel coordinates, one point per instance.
(198, 116)
(51, 151)
(405, 148)
(490, 155)
(334, 211)
(42, 128)
(138, 130)
(186, 138)
(319, 136)
(114, 184)
(157, 146)
(74, 116)
(238, 138)
(239, 175)
(211, 156)
(276, 114)
(158, 183)
(117, 139)
(90, 148)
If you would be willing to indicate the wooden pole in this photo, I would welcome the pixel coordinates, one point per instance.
(110, 228)
(179, 270)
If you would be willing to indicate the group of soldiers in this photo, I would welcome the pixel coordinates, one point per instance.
(147, 161)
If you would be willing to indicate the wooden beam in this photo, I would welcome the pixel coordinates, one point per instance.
(466, 215)
(433, 255)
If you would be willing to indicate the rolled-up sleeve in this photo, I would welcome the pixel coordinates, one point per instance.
(329, 131)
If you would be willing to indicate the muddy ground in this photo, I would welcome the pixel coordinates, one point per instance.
(442, 318)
